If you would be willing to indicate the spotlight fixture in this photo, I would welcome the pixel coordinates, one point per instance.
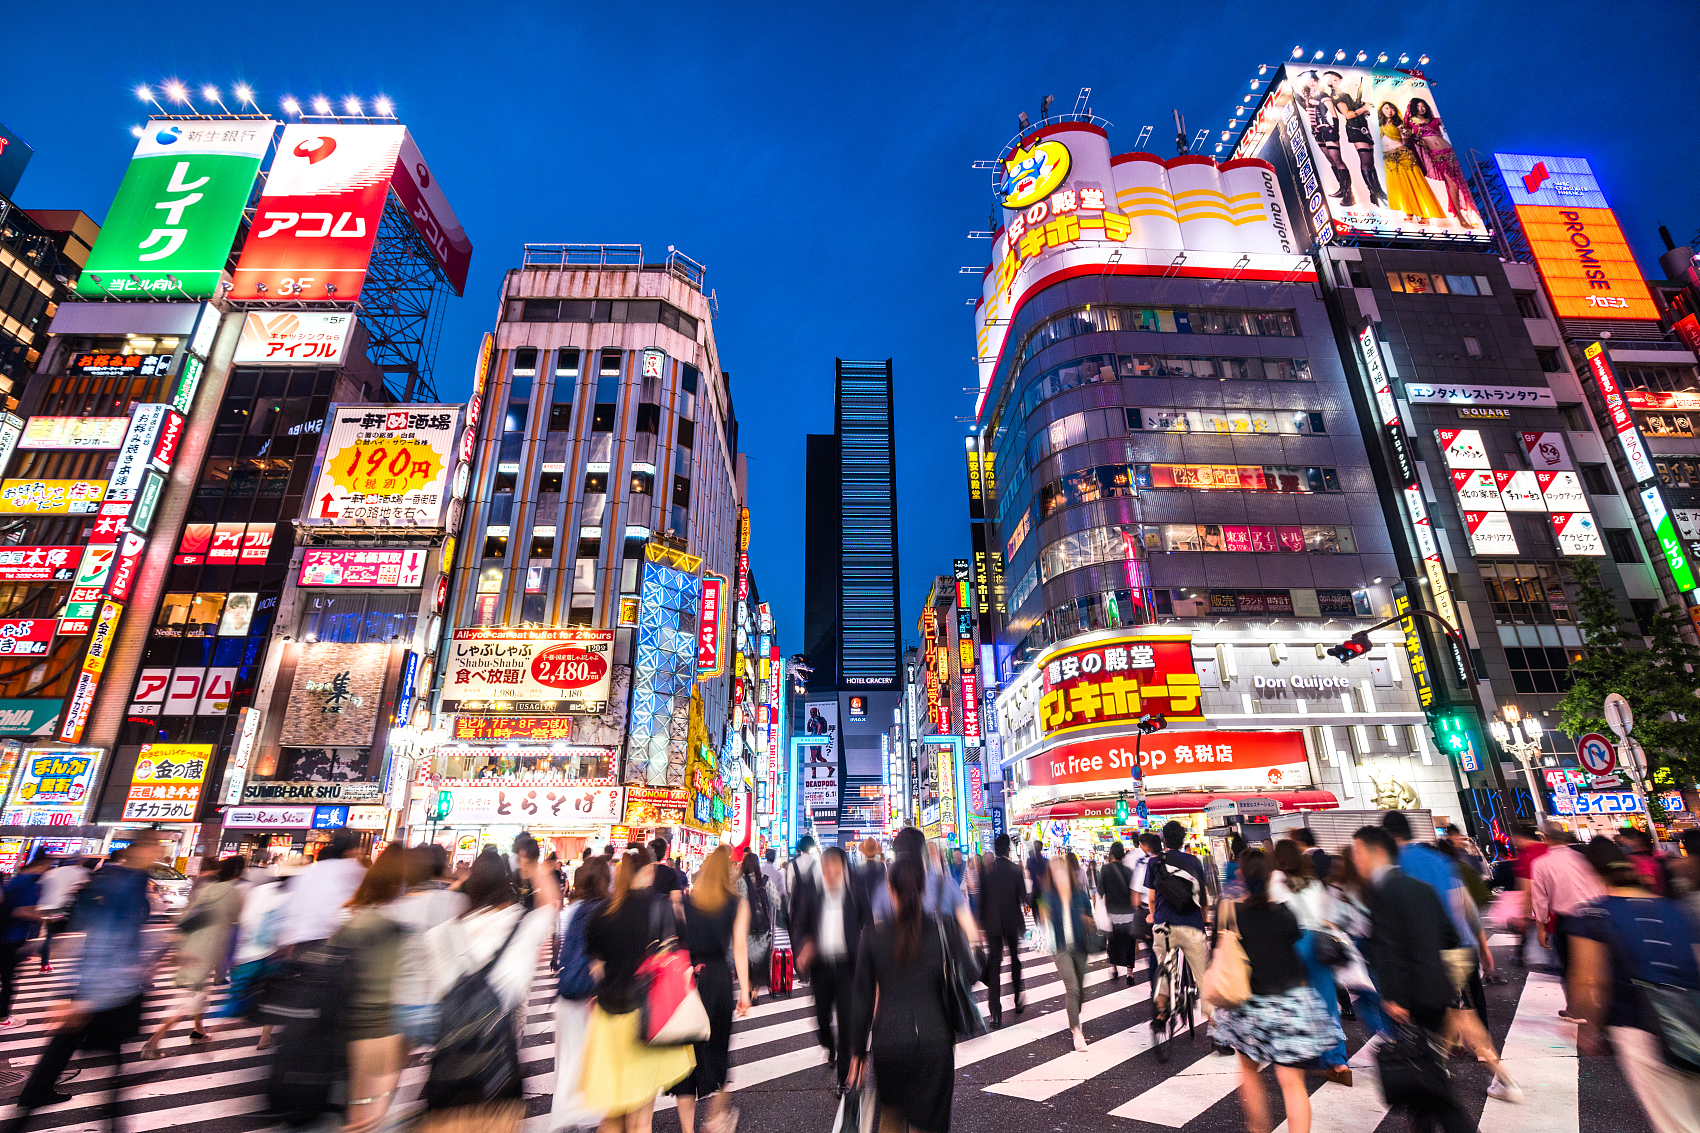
(384, 107)
(1317, 58)
(290, 106)
(1362, 55)
(351, 105)
(176, 91)
(1340, 55)
(1298, 53)
(244, 92)
(1422, 60)
(1382, 58)
(144, 94)
(1404, 59)
(137, 130)
(210, 93)
(321, 105)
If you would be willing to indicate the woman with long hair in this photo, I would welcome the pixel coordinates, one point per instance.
(1440, 161)
(575, 990)
(1294, 884)
(622, 1074)
(900, 967)
(1407, 188)
(496, 930)
(1115, 882)
(763, 897)
(716, 923)
(1284, 1022)
(376, 1050)
(1065, 913)
(426, 903)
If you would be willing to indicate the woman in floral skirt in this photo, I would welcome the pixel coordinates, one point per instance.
(1284, 1022)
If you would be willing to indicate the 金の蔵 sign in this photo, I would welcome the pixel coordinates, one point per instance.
(166, 785)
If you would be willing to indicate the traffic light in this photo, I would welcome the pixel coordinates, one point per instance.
(1453, 735)
(1352, 648)
(1151, 722)
(1121, 811)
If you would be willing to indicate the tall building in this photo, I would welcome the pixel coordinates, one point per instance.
(1489, 469)
(851, 606)
(182, 452)
(1175, 512)
(607, 525)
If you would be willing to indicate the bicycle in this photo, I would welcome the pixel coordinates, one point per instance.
(1173, 983)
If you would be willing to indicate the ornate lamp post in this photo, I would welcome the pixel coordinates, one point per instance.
(1521, 736)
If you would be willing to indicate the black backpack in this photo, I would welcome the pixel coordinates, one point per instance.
(1175, 885)
(761, 917)
(477, 1055)
(309, 1002)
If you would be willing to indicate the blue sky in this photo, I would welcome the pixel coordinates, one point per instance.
(816, 158)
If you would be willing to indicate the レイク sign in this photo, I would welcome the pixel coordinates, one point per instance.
(1172, 761)
(1117, 681)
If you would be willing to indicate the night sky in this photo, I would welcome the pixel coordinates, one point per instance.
(816, 157)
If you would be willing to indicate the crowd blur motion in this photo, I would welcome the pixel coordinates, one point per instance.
(355, 969)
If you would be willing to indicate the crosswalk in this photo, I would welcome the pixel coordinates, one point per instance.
(1024, 1073)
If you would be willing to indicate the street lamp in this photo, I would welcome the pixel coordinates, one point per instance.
(1522, 738)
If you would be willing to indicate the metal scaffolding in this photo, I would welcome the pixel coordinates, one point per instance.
(401, 306)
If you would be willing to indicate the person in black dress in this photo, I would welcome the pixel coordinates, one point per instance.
(909, 1038)
(716, 921)
(1115, 882)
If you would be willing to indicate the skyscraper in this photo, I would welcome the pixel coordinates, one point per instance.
(850, 597)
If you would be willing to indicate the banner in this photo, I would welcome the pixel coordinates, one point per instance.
(384, 467)
(819, 763)
(54, 779)
(539, 804)
(1117, 681)
(1171, 761)
(268, 818)
(384, 567)
(169, 230)
(317, 220)
(417, 189)
(283, 338)
(74, 432)
(568, 667)
(51, 497)
(166, 785)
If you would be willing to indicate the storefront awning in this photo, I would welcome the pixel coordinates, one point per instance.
(1185, 802)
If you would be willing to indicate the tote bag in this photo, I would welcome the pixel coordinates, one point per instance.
(1227, 982)
(673, 1014)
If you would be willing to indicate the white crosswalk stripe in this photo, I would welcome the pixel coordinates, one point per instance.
(220, 1086)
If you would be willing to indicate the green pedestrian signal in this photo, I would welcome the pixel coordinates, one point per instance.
(1454, 735)
(1121, 811)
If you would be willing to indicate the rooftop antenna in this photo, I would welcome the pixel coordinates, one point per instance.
(1180, 134)
(1080, 106)
(1139, 146)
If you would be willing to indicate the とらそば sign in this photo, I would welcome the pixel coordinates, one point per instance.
(537, 804)
(492, 666)
(384, 467)
(1171, 761)
(166, 785)
(1117, 681)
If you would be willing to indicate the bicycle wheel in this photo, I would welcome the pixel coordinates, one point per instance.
(1164, 1024)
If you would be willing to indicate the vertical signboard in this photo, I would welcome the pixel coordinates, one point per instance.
(1420, 675)
(711, 625)
(1622, 421)
(316, 222)
(169, 231)
(101, 637)
(1670, 541)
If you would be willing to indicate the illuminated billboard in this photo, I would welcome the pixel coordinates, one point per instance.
(316, 338)
(1368, 151)
(169, 231)
(1587, 266)
(384, 467)
(317, 220)
(1071, 209)
(416, 186)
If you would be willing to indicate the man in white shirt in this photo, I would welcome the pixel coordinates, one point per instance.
(317, 896)
(58, 893)
(829, 939)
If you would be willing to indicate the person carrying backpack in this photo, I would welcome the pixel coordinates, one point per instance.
(1176, 881)
(764, 900)
(575, 988)
(484, 961)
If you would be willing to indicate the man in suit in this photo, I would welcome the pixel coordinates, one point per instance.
(829, 929)
(1408, 929)
(1320, 860)
(1001, 893)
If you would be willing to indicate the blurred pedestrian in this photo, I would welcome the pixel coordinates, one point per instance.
(1004, 926)
(59, 887)
(908, 1039)
(715, 923)
(115, 973)
(1636, 843)
(22, 922)
(1066, 913)
(319, 894)
(426, 902)
(1286, 1021)
(498, 932)
(622, 1073)
(1176, 881)
(1561, 884)
(870, 871)
(1631, 935)
(1293, 883)
(575, 988)
(206, 926)
(376, 1049)
(1321, 861)
(255, 962)
(1115, 882)
(754, 887)
(1408, 929)
(827, 948)
(1350, 912)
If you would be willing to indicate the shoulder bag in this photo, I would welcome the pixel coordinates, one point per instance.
(1673, 1010)
(1412, 1074)
(1227, 982)
(672, 1010)
(960, 1010)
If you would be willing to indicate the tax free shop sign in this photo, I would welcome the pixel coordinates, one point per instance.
(1168, 761)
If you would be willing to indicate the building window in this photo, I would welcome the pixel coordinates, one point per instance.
(1550, 362)
(1525, 593)
(1575, 417)
(648, 418)
(1595, 480)
(507, 475)
(681, 492)
(550, 481)
(643, 483)
(490, 580)
(687, 434)
(1472, 346)
(1620, 541)
(584, 576)
(566, 382)
(1535, 669)
(543, 543)
(595, 483)
(496, 543)
(525, 362)
(534, 608)
(1527, 306)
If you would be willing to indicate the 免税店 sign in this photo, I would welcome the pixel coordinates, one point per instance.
(1117, 681)
(1171, 761)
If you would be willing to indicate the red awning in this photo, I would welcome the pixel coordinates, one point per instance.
(1185, 802)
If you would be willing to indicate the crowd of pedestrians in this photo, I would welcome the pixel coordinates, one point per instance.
(399, 959)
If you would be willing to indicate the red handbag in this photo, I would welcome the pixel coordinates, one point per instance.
(672, 1010)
